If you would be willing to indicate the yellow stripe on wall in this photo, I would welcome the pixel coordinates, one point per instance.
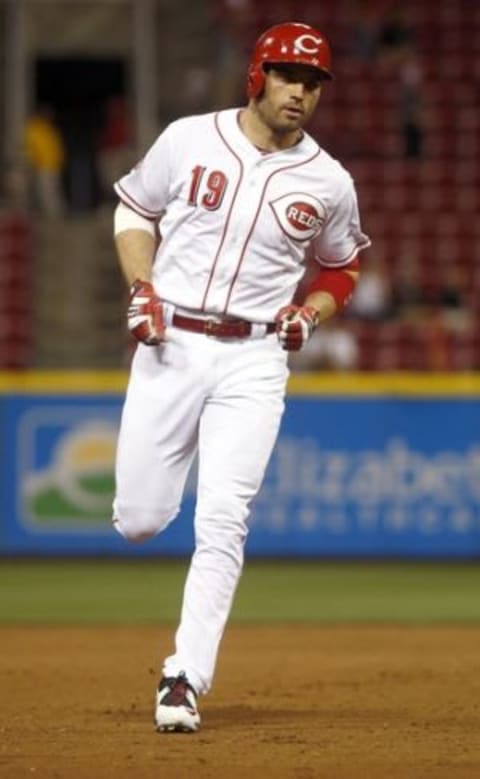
(315, 384)
(69, 382)
(395, 383)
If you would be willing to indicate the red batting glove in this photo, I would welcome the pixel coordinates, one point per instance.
(295, 325)
(145, 314)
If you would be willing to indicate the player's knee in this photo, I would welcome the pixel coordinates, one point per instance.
(222, 511)
(222, 528)
(222, 551)
(137, 525)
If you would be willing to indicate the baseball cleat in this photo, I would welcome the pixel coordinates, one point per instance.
(176, 706)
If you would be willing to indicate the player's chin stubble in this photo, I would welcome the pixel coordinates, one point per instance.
(279, 122)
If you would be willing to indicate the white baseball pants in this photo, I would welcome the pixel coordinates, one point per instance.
(224, 398)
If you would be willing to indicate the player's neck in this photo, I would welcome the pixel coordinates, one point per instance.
(264, 137)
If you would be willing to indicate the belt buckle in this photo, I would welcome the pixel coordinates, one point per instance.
(212, 327)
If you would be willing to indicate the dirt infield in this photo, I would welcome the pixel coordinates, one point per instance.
(303, 702)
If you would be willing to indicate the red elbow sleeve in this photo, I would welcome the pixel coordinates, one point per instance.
(339, 284)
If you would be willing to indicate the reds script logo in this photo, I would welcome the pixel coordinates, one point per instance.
(299, 215)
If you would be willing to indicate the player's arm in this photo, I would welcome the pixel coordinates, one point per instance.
(135, 250)
(135, 241)
(328, 293)
(331, 291)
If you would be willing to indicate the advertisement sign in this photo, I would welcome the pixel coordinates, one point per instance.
(374, 476)
(58, 478)
(353, 475)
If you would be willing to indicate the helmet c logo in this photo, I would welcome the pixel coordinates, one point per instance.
(307, 44)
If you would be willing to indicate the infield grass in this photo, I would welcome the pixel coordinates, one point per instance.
(149, 591)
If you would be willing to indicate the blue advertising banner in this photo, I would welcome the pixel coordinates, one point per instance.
(353, 474)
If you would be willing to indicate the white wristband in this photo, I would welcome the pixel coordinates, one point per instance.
(127, 219)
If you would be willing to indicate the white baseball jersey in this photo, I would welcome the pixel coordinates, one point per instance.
(236, 222)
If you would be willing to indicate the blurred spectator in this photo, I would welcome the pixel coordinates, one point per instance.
(332, 347)
(436, 314)
(13, 194)
(383, 40)
(410, 104)
(397, 56)
(434, 346)
(365, 16)
(453, 290)
(380, 32)
(456, 299)
(82, 174)
(45, 155)
(115, 143)
(372, 299)
(232, 24)
(407, 293)
(394, 36)
(197, 88)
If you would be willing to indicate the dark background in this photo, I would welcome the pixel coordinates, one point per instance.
(78, 88)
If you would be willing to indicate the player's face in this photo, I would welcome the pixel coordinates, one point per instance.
(290, 97)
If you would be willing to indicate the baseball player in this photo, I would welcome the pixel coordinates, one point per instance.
(238, 197)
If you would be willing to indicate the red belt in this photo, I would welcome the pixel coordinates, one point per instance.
(227, 328)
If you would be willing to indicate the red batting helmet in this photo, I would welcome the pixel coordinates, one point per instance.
(290, 42)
